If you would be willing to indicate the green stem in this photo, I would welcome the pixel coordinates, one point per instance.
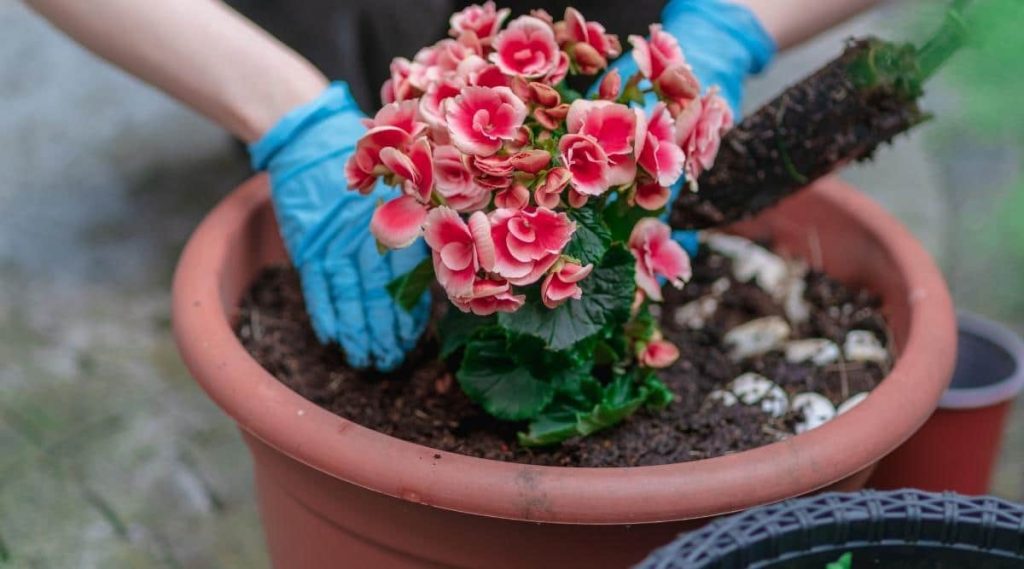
(950, 37)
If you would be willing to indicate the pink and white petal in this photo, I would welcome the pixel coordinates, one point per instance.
(480, 229)
(423, 162)
(670, 259)
(442, 226)
(652, 196)
(398, 223)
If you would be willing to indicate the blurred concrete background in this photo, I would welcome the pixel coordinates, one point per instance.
(109, 455)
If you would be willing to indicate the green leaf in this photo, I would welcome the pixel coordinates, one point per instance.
(619, 217)
(566, 418)
(492, 377)
(457, 327)
(568, 93)
(844, 562)
(607, 297)
(563, 369)
(550, 428)
(591, 239)
(408, 289)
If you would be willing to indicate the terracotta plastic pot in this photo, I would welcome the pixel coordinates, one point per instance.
(957, 448)
(333, 493)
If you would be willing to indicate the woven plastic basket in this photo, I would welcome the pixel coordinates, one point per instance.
(905, 529)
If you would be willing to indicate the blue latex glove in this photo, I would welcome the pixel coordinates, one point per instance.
(723, 43)
(326, 229)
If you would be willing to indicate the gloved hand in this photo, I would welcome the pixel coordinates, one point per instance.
(325, 228)
(723, 43)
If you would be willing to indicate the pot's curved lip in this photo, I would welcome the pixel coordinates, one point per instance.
(286, 421)
(998, 392)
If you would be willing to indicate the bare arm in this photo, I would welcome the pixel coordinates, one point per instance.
(790, 22)
(199, 51)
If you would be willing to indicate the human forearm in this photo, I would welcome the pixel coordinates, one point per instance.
(790, 22)
(199, 51)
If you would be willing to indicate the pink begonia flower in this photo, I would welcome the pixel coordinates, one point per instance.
(459, 249)
(659, 354)
(651, 195)
(551, 118)
(679, 86)
(455, 180)
(578, 30)
(576, 199)
(587, 162)
(535, 92)
(612, 125)
(548, 193)
(526, 47)
(394, 126)
(498, 166)
(398, 223)
(560, 71)
(527, 242)
(699, 129)
(478, 72)
(616, 128)
(481, 118)
(588, 61)
(398, 87)
(657, 254)
(653, 56)
(489, 296)
(416, 168)
(530, 161)
(484, 21)
(431, 105)
(516, 196)
(611, 86)
(562, 283)
(659, 153)
(448, 54)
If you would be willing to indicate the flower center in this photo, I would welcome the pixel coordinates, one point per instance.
(482, 121)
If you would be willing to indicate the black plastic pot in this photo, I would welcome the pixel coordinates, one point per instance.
(904, 529)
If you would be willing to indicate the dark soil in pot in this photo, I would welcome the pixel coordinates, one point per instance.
(421, 403)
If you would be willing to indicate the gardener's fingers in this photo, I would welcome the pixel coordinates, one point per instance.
(410, 324)
(347, 301)
(380, 309)
(319, 305)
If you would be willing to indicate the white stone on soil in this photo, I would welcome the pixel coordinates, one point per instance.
(863, 346)
(755, 389)
(696, 313)
(852, 402)
(819, 351)
(756, 337)
(719, 287)
(817, 410)
(751, 262)
(726, 398)
(793, 302)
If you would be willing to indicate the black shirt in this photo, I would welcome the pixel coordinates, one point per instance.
(356, 40)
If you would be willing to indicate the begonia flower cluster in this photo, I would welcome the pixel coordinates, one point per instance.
(491, 156)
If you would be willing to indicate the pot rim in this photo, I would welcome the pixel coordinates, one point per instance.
(1004, 390)
(283, 419)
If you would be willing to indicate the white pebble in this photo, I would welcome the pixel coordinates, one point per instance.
(852, 402)
(793, 302)
(817, 410)
(756, 337)
(696, 313)
(726, 398)
(751, 262)
(756, 389)
(863, 346)
(719, 287)
(818, 351)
